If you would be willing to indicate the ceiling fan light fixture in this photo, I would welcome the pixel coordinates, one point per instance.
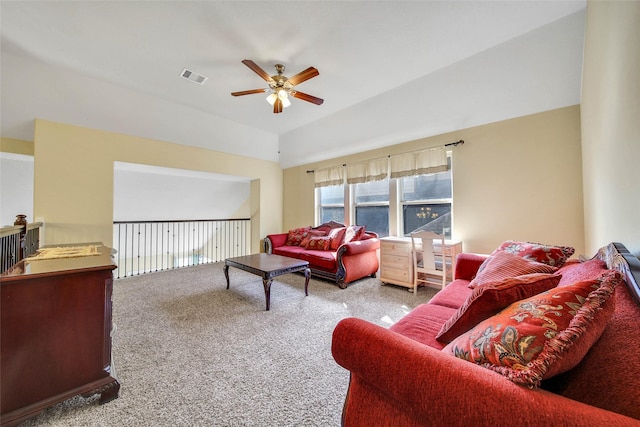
(280, 87)
(271, 99)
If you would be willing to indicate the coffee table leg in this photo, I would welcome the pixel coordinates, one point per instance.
(307, 275)
(226, 274)
(267, 290)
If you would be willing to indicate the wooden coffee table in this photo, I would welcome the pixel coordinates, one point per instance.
(268, 266)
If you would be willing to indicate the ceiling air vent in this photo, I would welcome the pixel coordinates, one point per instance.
(194, 77)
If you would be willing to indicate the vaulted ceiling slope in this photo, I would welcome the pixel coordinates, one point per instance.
(390, 71)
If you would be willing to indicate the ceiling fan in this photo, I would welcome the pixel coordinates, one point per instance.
(280, 87)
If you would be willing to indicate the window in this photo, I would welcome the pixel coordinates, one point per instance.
(395, 206)
(371, 204)
(426, 203)
(331, 206)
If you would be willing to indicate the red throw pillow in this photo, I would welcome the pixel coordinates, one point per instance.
(319, 243)
(542, 336)
(503, 265)
(488, 299)
(309, 235)
(337, 234)
(353, 233)
(295, 236)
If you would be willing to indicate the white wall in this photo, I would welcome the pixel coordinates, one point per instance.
(16, 187)
(153, 193)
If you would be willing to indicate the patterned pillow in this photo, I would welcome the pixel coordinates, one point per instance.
(319, 243)
(552, 255)
(309, 235)
(541, 336)
(503, 265)
(488, 299)
(296, 235)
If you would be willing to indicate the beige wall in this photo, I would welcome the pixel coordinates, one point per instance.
(16, 146)
(73, 179)
(516, 179)
(611, 124)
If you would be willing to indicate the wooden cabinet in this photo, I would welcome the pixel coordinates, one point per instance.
(396, 263)
(56, 325)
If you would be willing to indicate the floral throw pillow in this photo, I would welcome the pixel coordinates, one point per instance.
(503, 265)
(488, 299)
(552, 255)
(542, 336)
(319, 243)
(311, 233)
(295, 236)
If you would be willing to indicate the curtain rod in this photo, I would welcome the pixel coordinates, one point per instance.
(451, 144)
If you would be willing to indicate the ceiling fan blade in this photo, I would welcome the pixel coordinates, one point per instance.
(256, 69)
(303, 76)
(277, 106)
(248, 92)
(308, 98)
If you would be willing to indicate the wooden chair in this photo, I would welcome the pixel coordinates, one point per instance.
(424, 260)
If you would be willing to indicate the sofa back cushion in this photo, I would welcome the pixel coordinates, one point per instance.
(609, 375)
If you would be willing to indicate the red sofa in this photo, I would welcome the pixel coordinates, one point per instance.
(401, 377)
(351, 255)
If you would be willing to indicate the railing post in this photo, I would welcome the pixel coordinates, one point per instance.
(21, 220)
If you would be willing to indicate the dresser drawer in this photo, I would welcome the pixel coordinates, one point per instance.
(395, 261)
(392, 248)
(395, 274)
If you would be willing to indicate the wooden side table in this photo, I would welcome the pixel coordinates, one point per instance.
(396, 264)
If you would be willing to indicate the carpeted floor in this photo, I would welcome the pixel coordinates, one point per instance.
(189, 352)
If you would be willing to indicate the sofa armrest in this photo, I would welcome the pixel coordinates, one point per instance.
(467, 265)
(445, 390)
(275, 241)
(358, 247)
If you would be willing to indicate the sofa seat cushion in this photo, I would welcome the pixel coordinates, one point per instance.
(542, 336)
(423, 323)
(290, 251)
(326, 260)
(453, 295)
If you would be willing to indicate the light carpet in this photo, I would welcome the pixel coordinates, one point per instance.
(189, 352)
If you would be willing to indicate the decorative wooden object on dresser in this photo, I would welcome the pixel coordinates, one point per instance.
(55, 314)
(396, 263)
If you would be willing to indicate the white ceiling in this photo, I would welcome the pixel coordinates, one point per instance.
(390, 71)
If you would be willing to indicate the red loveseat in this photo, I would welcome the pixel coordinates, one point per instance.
(402, 377)
(349, 253)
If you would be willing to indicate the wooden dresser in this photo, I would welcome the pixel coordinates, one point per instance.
(55, 316)
(396, 262)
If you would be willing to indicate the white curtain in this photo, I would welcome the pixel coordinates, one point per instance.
(419, 163)
(371, 170)
(329, 176)
(432, 160)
